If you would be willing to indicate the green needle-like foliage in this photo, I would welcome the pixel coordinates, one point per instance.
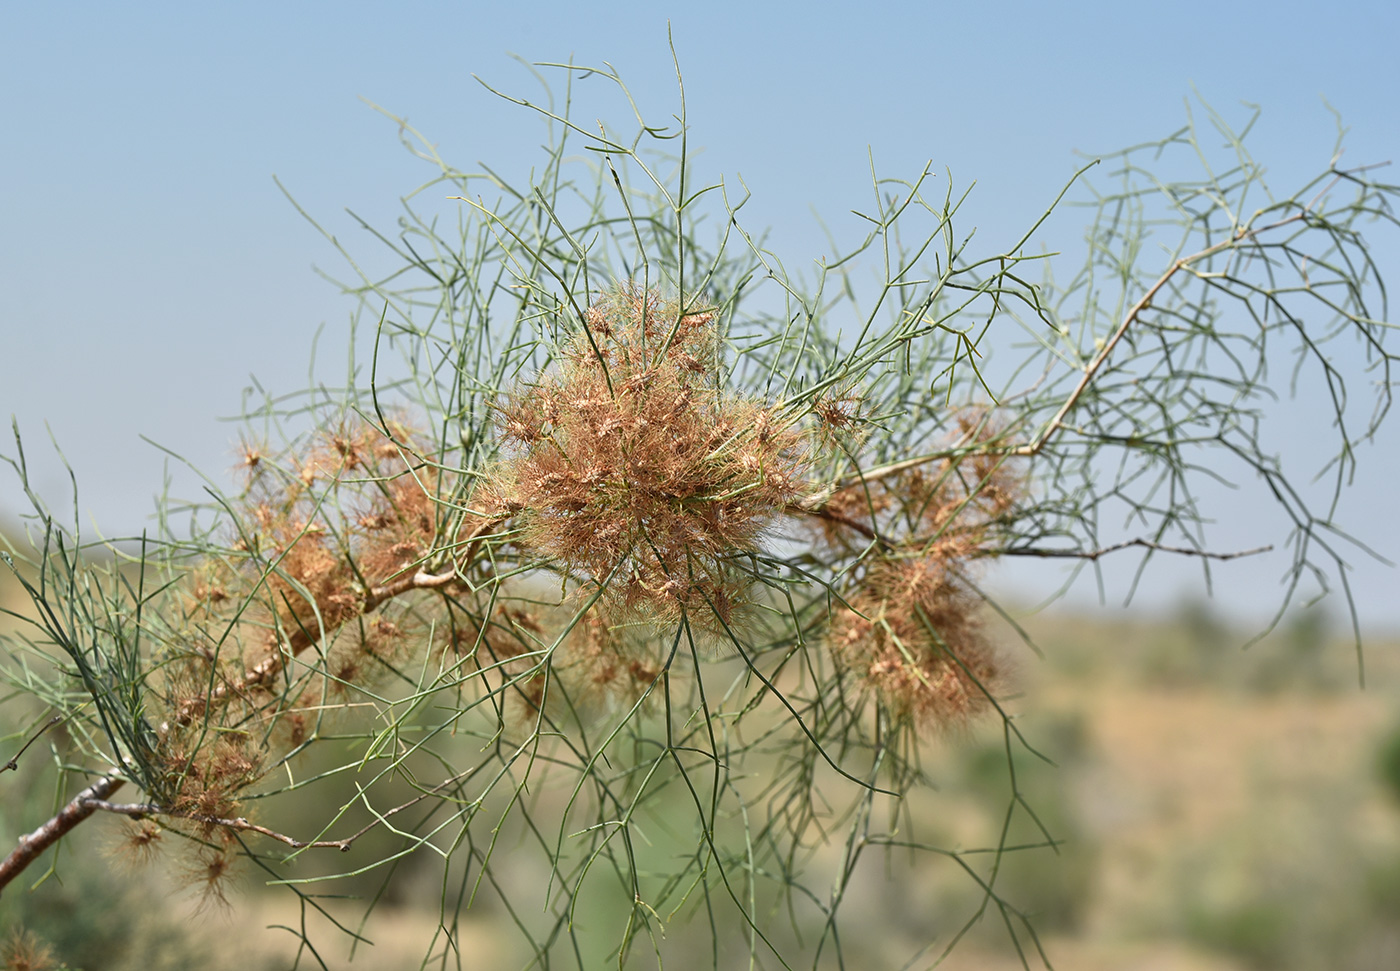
(627, 587)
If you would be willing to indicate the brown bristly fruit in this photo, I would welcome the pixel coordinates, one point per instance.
(209, 873)
(631, 468)
(25, 951)
(910, 630)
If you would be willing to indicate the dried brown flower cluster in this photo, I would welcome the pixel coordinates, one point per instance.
(634, 470)
(26, 951)
(911, 631)
(325, 539)
(358, 511)
(353, 512)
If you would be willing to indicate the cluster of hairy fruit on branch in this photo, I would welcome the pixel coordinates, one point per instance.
(632, 467)
(629, 469)
(285, 628)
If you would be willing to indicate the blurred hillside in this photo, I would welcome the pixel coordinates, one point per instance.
(1220, 808)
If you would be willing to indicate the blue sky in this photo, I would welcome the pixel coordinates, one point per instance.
(150, 265)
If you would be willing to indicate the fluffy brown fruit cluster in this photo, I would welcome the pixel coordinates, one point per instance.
(635, 471)
(911, 634)
(910, 631)
(316, 536)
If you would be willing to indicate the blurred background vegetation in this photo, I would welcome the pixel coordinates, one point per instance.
(1219, 807)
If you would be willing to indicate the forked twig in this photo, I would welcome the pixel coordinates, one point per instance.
(13, 764)
(1126, 544)
(137, 810)
(79, 808)
(94, 798)
(1144, 302)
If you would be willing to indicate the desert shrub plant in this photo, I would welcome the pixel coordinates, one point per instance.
(628, 584)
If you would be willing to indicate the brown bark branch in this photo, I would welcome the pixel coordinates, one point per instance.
(824, 512)
(78, 809)
(1091, 369)
(137, 810)
(266, 671)
(1126, 544)
(817, 501)
(144, 810)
